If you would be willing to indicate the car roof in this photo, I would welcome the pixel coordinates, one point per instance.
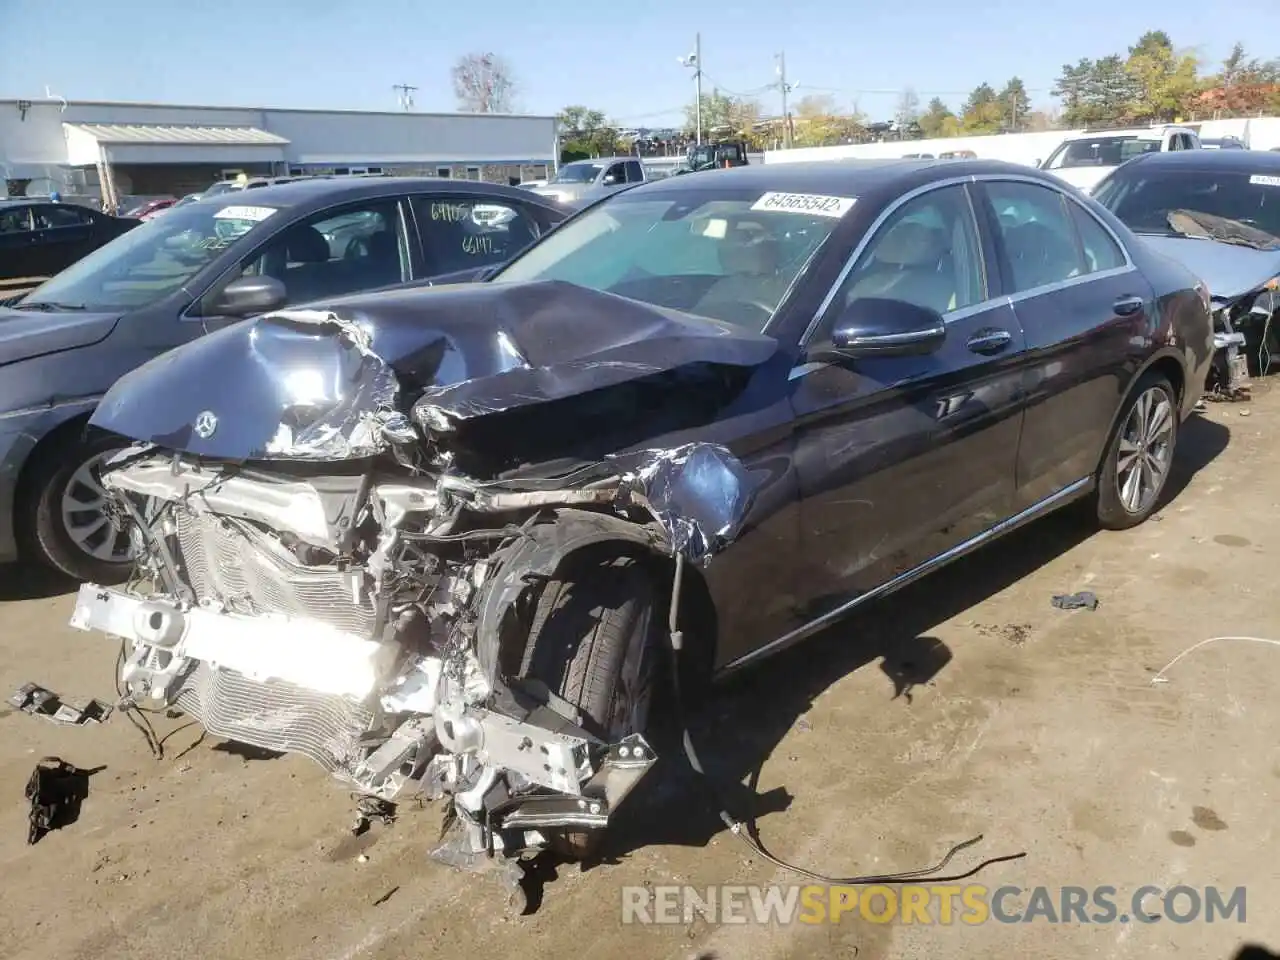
(844, 177)
(320, 192)
(1230, 161)
(1141, 133)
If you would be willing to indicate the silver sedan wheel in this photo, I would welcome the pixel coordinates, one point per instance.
(85, 518)
(1146, 451)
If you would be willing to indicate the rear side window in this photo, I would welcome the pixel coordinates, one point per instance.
(1100, 251)
(635, 173)
(15, 219)
(1038, 236)
(54, 216)
(460, 233)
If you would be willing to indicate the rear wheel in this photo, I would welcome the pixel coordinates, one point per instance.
(591, 642)
(1136, 465)
(62, 514)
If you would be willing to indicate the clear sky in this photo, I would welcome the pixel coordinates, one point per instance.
(617, 57)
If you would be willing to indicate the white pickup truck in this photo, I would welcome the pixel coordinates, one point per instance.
(1084, 159)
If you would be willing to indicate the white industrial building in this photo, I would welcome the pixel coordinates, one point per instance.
(152, 148)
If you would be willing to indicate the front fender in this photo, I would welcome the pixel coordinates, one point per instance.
(20, 433)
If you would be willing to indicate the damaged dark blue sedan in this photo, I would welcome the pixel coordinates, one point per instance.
(437, 539)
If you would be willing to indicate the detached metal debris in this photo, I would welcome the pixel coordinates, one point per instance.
(55, 791)
(38, 701)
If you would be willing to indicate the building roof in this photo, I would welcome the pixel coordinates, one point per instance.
(186, 134)
(128, 104)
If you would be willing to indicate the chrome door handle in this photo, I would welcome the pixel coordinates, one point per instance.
(1128, 306)
(989, 341)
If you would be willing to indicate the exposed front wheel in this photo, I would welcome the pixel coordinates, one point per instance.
(1140, 456)
(592, 643)
(62, 511)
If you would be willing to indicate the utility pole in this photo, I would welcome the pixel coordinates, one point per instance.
(785, 87)
(694, 60)
(406, 94)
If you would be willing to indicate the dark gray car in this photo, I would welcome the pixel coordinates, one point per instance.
(200, 267)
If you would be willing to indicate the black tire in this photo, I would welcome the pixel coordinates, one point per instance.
(1113, 514)
(43, 534)
(593, 632)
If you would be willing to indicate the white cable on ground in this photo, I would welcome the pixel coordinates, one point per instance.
(1160, 677)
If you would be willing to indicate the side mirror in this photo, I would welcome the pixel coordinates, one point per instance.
(874, 327)
(246, 296)
(610, 180)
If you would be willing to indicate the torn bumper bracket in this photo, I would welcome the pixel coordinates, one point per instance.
(623, 767)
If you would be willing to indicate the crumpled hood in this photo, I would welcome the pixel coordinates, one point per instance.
(29, 333)
(336, 381)
(1229, 270)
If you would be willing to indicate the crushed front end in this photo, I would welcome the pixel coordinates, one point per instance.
(349, 595)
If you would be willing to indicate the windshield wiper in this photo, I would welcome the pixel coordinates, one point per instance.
(1193, 223)
(49, 306)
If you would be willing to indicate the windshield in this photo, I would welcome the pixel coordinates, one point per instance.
(1099, 152)
(578, 173)
(1144, 200)
(709, 254)
(151, 261)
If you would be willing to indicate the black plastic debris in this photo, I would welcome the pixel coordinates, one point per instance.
(38, 701)
(1084, 600)
(56, 789)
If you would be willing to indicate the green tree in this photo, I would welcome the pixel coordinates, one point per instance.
(982, 112)
(586, 133)
(723, 115)
(1162, 80)
(1015, 105)
(937, 120)
(820, 122)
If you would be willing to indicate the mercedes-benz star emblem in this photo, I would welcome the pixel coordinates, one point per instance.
(206, 423)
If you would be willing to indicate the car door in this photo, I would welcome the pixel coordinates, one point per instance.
(1081, 302)
(17, 242)
(63, 234)
(459, 231)
(902, 458)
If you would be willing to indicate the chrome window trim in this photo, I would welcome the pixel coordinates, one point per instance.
(991, 302)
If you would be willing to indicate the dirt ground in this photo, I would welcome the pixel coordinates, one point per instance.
(965, 705)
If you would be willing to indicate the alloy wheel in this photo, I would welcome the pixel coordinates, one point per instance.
(1146, 451)
(85, 517)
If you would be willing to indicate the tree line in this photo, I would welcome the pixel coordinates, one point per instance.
(1151, 82)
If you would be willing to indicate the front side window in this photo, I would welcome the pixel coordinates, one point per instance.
(927, 253)
(331, 254)
(709, 253)
(578, 172)
(1242, 206)
(1038, 236)
(618, 172)
(153, 260)
(459, 233)
(1099, 152)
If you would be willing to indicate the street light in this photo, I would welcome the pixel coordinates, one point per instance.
(694, 62)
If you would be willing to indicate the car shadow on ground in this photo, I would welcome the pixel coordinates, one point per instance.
(739, 726)
(31, 581)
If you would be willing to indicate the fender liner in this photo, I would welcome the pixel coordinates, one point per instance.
(528, 563)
